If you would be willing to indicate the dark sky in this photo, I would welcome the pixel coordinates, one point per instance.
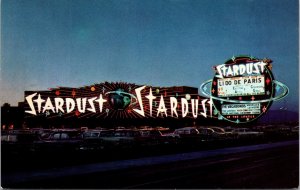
(50, 43)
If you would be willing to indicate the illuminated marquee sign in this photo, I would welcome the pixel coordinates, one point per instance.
(243, 89)
(117, 100)
(241, 86)
(240, 109)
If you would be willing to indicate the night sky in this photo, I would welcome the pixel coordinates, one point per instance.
(72, 43)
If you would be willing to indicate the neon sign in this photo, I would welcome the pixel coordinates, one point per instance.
(250, 68)
(241, 86)
(243, 89)
(119, 100)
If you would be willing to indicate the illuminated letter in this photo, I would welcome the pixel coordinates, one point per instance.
(184, 107)
(100, 100)
(30, 103)
(224, 70)
(59, 102)
(249, 68)
(242, 69)
(210, 106)
(235, 69)
(39, 102)
(138, 94)
(91, 102)
(193, 107)
(256, 69)
(70, 104)
(204, 108)
(48, 105)
(161, 106)
(229, 72)
(219, 75)
(262, 66)
(150, 97)
(78, 101)
(173, 102)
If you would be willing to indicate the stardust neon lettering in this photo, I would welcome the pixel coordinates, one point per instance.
(188, 107)
(240, 69)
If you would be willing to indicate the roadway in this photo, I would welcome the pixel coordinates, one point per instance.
(273, 165)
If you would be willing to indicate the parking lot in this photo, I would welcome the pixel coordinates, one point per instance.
(252, 166)
(47, 148)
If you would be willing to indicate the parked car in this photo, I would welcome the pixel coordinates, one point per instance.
(96, 134)
(219, 133)
(187, 131)
(154, 137)
(60, 140)
(222, 133)
(246, 133)
(18, 141)
(206, 134)
(120, 138)
(188, 134)
(94, 139)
